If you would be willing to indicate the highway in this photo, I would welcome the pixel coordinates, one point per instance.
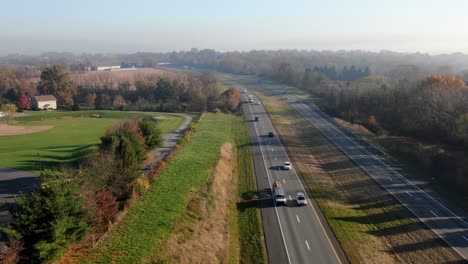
(436, 213)
(292, 234)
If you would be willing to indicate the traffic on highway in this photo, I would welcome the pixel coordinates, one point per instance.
(293, 233)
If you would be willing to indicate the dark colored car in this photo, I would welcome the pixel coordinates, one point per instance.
(256, 118)
(271, 134)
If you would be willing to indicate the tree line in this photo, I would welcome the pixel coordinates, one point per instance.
(181, 92)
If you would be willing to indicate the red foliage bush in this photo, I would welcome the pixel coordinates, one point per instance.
(106, 208)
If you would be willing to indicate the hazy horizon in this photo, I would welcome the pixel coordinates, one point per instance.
(432, 27)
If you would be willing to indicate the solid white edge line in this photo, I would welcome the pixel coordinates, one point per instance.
(269, 182)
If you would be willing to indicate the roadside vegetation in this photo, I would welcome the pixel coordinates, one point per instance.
(71, 136)
(180, 197)
(369, 223)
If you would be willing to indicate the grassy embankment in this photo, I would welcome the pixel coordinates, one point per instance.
(73, 135)
(370, 224)
(175, 197)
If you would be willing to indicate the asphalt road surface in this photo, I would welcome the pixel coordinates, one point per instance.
(293, 234)
(439, 215)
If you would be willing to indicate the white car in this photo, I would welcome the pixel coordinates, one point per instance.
(301, 199)
(258, 103)
(287, 165)
(2, 114)
(244, 91)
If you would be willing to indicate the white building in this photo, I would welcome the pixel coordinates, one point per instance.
(107, 68)
(44, 102)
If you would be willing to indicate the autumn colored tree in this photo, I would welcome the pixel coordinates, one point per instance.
(231, 98)
(55, 81)
(446, 81)
(23, 102)
(119, 102)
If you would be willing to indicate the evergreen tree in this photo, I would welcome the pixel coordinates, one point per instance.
(50, 219)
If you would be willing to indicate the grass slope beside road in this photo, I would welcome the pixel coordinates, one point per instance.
(73, 135)
(141, 236)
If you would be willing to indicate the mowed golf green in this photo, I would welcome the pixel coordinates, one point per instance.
(73, 135)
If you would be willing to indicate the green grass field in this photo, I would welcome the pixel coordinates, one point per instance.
(73, 135)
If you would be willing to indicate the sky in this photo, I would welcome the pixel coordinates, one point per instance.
(123, 26)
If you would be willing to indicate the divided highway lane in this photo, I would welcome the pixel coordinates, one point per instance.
(293, 234)
(443, 221)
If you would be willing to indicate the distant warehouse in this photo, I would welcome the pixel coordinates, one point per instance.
(107, 68)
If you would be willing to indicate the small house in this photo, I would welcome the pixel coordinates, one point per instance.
(44, 102)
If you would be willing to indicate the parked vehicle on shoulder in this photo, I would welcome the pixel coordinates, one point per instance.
(301, 199)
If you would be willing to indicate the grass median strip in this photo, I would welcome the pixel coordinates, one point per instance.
(252, 249)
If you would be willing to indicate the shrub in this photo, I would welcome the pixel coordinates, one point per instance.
(10, 253)
(151, 133)
(104, 210)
